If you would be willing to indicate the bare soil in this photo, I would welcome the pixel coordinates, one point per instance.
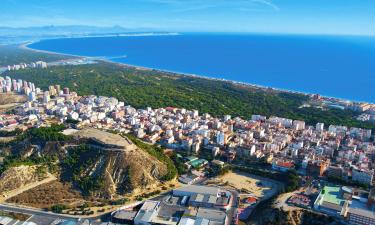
(47, 195)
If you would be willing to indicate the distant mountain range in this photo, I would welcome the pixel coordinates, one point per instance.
(24, 34)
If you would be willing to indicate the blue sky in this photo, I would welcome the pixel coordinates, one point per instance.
(269, 16)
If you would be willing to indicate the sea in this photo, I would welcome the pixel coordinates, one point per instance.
(334, 66)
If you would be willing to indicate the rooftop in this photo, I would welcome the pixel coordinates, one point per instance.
(150, 205)
(144, 216)
(360, 208)
(332, 195)
(198, 189)
(125, 214)
(191, 221)
(211, 214)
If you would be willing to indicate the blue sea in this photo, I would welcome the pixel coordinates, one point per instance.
(336, 66)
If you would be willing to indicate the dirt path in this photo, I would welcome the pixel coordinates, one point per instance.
(27, 187)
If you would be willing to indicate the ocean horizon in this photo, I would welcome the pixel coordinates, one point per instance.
(335, 66)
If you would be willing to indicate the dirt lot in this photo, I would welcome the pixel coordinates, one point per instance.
(57, 192)
(248, 184)
(44, 196)
(10, 100)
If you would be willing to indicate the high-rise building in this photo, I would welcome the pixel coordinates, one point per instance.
(220, 138)
(46, 97)
(66, 91)
(52, 90)
(319, 127)
(31, 96)
(58, 88)
(14, 85)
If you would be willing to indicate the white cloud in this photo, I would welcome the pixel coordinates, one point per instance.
(267, 3)
(199, 5)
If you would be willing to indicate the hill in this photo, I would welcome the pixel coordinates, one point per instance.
(103, 169)
(86, 160)
(297, 217)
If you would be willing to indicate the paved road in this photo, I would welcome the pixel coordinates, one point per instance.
(37, 216)
(232, 211)
(41, 217)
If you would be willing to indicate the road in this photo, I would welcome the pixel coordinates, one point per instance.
(37, 216)
(40, 216)
(232, 211)
(280, 202)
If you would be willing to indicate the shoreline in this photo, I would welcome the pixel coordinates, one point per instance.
(257, 86)
(25, 46)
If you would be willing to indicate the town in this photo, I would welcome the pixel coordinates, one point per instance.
(335, 162)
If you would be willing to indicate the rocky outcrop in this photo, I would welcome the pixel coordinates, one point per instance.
(121, 171)
(133, 170)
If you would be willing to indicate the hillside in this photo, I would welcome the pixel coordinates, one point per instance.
(142, 88)
(18, 176)
(297, 217)
(94, 170)
(106, 173)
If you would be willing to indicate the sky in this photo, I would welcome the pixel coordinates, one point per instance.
(353, 17)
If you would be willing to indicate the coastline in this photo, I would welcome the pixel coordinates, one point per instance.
(25, 46)
(256, 86)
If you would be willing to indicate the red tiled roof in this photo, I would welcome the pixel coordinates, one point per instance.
(285, 164)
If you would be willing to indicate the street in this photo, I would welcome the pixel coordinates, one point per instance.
(39, 216)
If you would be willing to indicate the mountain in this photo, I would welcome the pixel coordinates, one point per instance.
(11, 35)
(59, 30)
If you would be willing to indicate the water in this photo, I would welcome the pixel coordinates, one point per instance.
(342, 67)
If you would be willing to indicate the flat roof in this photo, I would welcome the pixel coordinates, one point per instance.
(198, 189)
(212, 199)
(197, 162)
(331, 195)
(144, 216)
(211, 214)
(193, 221)
(198, 197)
(168, 211)
(68, 222)
(191, 158)
(361, 209)
(125, 214)
(150, 205)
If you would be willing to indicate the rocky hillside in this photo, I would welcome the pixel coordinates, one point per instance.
(106, 173)
(94, 169)
(19, 176)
